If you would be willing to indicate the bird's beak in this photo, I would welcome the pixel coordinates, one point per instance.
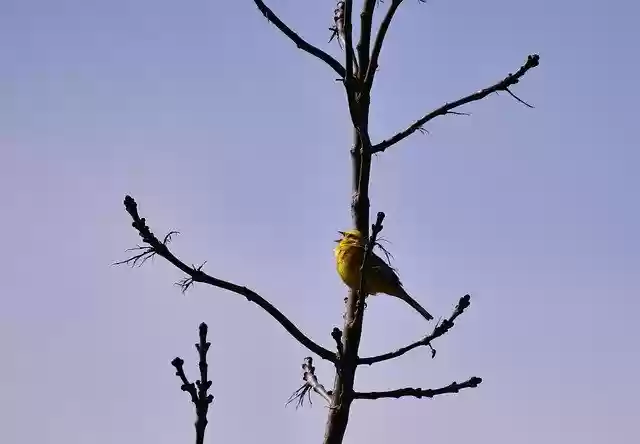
(341, 234)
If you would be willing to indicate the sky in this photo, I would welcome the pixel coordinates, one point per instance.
(222, 129)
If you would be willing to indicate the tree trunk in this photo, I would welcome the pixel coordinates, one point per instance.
(352, 330)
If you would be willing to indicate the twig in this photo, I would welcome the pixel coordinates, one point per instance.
(454, 387)
(336, 334)
(200, 397)
(368, 248)
(197, 275)
(310, 383)
(438, 331)
(377, 46)
(503, 85)
(337, 30)
(518, 98)
(299, 41)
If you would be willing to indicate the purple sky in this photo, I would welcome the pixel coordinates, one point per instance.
(222, 129)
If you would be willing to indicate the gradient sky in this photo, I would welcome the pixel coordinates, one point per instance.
(222, 129)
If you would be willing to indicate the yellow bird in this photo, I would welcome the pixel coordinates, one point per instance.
(380, 277)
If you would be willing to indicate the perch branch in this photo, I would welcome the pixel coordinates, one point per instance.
(200, 397)
(346, 366)
(503, 85)
(299, 41)
(310, 383)
(454, 387)
(377, 46)
(155, 247)
(375, 230)
(439, 330)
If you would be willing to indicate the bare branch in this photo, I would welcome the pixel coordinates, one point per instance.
(347, 8)
(377, 46)
(368, 248)
(200, 397)
(336, 334)
(299, 41)
(195, 274)
(310, 383)
(439, 330)
(454, 387)
(187, 386)
(364, 45)
(503, 85)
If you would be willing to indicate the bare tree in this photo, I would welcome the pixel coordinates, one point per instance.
(357, 76)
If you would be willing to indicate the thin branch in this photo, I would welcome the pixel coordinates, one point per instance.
(195, 274)
(336, 334)
(200, 397)
(454, 387)
(203, 346)
(364, 45)
(439, 330)
(368, 248)
(518, 99)
(310, 383)
(347, 7)
(503, 85)
(299, 41)
(377, 46)
(187, 386)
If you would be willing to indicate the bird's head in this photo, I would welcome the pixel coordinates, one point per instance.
(349, 236)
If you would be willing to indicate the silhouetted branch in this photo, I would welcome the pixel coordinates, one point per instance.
(195, 274)
(503, 85)
(310, 383)
(364, 45)
(187, 386)
(454, 387)
(299, 41)
(350, 59)
(377, 46)
(200, 397)
(336, 334)
(518, 99)
(439, 330)
(368, 248)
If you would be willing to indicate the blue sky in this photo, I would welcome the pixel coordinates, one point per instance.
(223, 130)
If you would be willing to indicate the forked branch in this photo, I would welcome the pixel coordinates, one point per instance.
(195, 274)
(439, 330)
(299, 41)
(454, 387)
(200, 397)
(503, 85)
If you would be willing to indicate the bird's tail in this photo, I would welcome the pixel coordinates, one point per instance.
(414, 304)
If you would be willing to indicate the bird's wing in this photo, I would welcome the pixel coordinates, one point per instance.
(380, 267)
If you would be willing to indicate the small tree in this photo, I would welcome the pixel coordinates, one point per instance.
(357, 76)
